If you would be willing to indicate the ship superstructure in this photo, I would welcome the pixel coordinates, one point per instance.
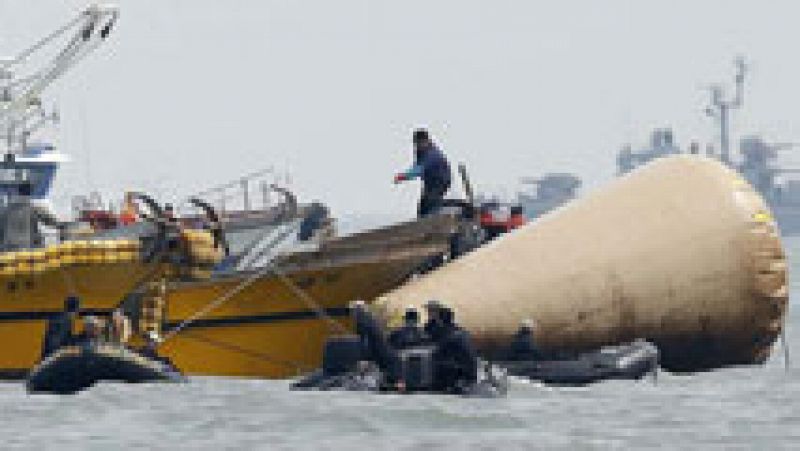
(29, 166)
(756, 161)
(547, 192)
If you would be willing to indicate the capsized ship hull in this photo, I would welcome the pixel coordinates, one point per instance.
(682, 252)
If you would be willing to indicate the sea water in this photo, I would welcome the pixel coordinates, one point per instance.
(745, 407)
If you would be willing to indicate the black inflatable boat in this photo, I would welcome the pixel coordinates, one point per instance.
(76, 367)
(343, 370)
(629, 361)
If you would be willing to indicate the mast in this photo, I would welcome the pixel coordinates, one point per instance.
(721, 108)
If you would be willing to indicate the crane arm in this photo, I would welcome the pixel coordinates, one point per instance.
(19, 97)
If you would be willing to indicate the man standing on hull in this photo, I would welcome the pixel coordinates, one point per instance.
(431, 165)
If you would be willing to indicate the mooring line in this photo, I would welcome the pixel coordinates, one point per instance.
(297, 366)
(309, 300)
(217, 302)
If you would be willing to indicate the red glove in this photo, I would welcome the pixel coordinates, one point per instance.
(399, 178)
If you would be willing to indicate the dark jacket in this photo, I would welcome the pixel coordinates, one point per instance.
(523, 347)
(58, 333)
(436, 176)
(456, 360)
(407, 337)
(433, 330)
(374, 344)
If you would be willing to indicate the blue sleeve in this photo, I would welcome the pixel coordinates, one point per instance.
(414, 172)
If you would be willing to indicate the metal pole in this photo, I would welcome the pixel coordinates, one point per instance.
(724, 131)
(246, 195)
(264, 195)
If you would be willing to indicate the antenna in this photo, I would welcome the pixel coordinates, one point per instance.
(721, 107)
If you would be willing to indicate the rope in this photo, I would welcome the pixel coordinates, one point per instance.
(297, 366)
(309, 301)
(249, 261)
(269, 268)
(217, 302)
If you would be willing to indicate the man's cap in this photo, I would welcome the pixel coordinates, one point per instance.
(527, 323)
(433, 304)
(411, 313)
(421, 135)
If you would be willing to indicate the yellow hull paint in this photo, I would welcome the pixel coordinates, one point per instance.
(25, 302)
(23, 341)
(268, 330)
(265, 330)
(278, 350)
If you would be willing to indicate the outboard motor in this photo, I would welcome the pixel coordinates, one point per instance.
(341, 355)
(417, 368)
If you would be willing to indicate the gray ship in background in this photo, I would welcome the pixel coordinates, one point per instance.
(757, 161)
(547, 192)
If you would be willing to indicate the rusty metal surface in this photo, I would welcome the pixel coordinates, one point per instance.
(682, 252)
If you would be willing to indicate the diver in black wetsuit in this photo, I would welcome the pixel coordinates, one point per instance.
(455, 358)
(523, 345)
(433, 325)
(410, 334)
(58, 331)
(373, 342)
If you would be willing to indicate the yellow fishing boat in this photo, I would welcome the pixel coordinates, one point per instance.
(273, 320)
(277, 324)
(267, 322)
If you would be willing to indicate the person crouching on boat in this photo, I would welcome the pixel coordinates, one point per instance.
(92, 329)
(119, 328)
(433, 327)
(455, 357)
(59, 330)
(373, 342)
(410, 334)
(432, 167)
(523, 345)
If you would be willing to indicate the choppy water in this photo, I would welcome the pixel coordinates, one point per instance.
(754, 407)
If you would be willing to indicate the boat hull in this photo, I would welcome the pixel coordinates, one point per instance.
(269, 329)
(273, 325)
(75, 368)
(28, 301)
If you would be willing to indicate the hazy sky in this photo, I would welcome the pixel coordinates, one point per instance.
(190, 93)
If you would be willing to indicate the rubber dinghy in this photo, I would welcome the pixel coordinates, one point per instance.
(73, 368)
(629, 361)
(344, 370)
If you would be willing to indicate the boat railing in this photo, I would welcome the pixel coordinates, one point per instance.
(249, 196)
